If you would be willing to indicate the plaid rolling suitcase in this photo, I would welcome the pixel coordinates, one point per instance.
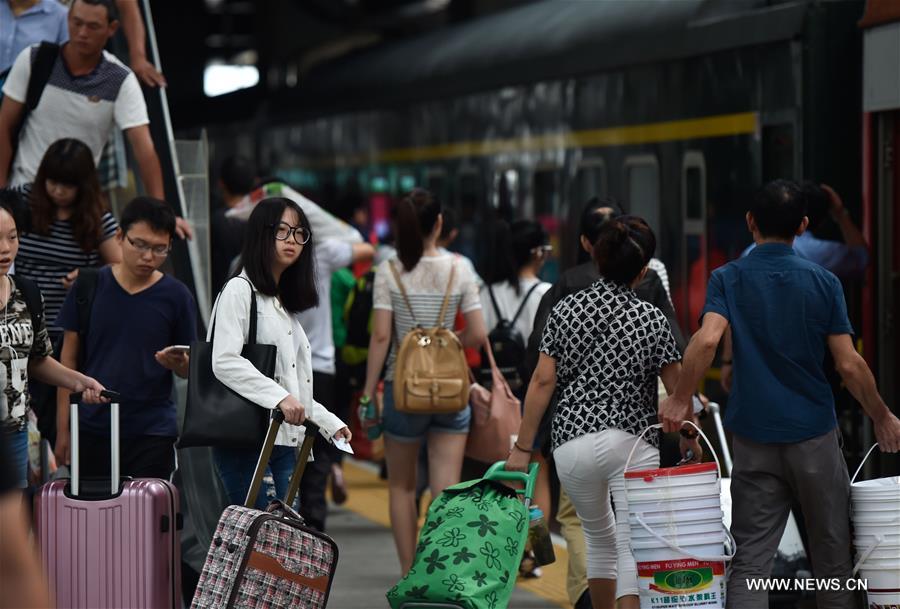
(471, 545)
(108, 543)
(268, 559)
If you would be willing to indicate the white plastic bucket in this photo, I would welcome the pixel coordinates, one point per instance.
(881, 552)
(884, 541)
(685, 531)
(887, 578)
(675, 507)
(882, 600)
(876, 507)
(677, 534)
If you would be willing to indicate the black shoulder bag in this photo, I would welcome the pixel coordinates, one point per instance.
(214, 414)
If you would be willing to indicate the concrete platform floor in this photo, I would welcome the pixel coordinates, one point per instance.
(368, 566)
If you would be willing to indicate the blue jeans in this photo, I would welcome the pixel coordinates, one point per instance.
(18, 450)
(235, 467)
(405, 427)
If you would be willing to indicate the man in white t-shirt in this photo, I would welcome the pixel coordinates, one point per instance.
(88, 92)
(330, 255)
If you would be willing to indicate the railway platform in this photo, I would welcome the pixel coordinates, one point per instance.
(368, 567)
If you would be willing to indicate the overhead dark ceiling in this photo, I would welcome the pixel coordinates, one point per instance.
(283, 35)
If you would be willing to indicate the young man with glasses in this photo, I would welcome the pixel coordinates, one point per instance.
(135, 313)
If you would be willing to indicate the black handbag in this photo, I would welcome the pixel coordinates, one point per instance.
(214, 414)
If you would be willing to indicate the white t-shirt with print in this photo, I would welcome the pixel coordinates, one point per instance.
(81, 107)
(425, 286)
(508, 302)
(331, 255)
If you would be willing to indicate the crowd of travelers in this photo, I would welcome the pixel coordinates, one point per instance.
(594, 358)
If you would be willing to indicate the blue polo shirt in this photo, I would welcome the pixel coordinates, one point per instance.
(126, 330)
(781, 309)
(45, 21)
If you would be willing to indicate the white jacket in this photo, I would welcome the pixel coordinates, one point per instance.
(293, 367)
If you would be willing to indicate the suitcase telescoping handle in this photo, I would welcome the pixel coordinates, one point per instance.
(268, 445)
(75, 482)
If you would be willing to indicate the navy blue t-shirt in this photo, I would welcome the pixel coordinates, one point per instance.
(126, 330)
(781, 308)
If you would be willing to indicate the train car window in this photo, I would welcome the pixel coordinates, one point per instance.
(506, 194)
(590, 181)
(642, 179)
(436, 183)
(689, 291)
(549, 211)
(778, 152)
(470, 199)
(404, 181)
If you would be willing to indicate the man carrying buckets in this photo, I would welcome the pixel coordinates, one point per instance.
(782, 311)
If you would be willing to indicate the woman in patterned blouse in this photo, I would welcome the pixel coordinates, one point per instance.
(602, 350)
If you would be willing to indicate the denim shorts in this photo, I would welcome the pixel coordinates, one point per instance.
(405, 427)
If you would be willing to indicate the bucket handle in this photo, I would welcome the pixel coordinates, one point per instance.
(676, 548)
(868, 552)
(659, 426)
(863, 462)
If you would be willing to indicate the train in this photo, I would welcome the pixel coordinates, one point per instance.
(678, 109)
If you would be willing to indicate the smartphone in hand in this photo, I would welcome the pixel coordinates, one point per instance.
(183, 349)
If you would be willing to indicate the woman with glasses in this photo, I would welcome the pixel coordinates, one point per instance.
(278, 265)
(65, 227)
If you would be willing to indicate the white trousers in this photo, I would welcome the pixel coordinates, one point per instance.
(591, 467)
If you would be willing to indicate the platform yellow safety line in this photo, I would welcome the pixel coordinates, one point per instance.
(723, 125)
(367, 496)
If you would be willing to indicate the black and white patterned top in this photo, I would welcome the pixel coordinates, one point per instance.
(609, 347)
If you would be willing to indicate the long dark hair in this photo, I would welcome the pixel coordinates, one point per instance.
(624, 246)
(70, 162)
(297, 286)
(11, 204)
(415, 216)
(513, 247)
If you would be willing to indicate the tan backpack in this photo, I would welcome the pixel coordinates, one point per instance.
(431, 375)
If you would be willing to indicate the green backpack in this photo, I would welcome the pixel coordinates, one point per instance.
(471, 545)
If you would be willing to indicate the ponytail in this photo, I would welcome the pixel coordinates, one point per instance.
(415, 217)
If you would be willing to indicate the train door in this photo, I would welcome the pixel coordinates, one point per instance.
(887, 228)
(694, 262)
(549, 208)
(590, 181)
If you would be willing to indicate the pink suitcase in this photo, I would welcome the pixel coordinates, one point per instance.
(268, 559)
(113, 547)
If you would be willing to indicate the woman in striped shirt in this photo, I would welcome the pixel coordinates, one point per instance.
(425, 272)
(69, 227)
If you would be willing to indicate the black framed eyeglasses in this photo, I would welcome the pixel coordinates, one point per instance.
(283, 232)
(161, 251)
